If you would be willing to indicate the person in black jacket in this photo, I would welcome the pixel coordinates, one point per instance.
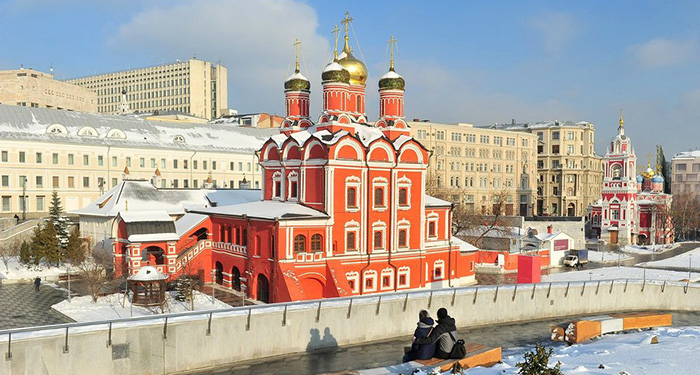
(444, 335)
(426, 351)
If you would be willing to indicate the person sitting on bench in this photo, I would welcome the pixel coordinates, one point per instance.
(425, 326)
(442, 334)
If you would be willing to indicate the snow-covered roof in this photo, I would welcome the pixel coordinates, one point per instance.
(431, 201)
(148, 273)
(391, 74)
(56, 126)
(141, 195)
(540, 125)
(296, 75)
(145, 216)
(152, 237)
(187, 222)
(267, 210)
(463, 245)
(687, 154)
(333, 66)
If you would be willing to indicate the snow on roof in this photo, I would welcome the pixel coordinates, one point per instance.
(400, 140)
(431, 201)
(145, 216)
(141, 195)
(267, 210)
(687, 154)
(152, 237)
(334, 66)
(296, 75)
(187, 222)
(148, 273)
(368, 134)
(31, 124)
(463, 245)
(540, 125)
(391, 74)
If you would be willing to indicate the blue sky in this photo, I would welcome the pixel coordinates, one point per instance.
(464, 61)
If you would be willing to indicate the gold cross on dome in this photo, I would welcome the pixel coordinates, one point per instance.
(392, 44)
(335, 32)
(297, 43)
(346, 22)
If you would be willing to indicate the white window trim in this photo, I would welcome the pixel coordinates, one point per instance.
(404, 182)
(380, 182)
(277, 177)
(432, 218)
(354, 182)
(293, 176)
(352, 226)
(354, 276)
(387, 272)
(403, 224)
(379, 226)
(404, 271)
(371, 274)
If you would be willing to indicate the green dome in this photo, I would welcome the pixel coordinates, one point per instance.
(335, 72)
(297, 82)
(392, 81)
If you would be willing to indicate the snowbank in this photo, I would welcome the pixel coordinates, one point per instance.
(113, 306)
(636, 249)
(681, 261)
(608, 273)
(21, 273)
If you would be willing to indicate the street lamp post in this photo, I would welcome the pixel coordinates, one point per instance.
(24, 198)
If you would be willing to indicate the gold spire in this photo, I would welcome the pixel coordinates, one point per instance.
(392, 43)
(335, 32)
(622, 121)
(346, 22)
(297, 43)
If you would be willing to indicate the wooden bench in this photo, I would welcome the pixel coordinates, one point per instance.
(477, 355)
(588, 328)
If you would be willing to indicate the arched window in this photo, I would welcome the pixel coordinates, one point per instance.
(378, 240)
(432, 230)
(316, 241)
(352, 197)
(402, 238)
(350, 241)
(616, 171)
(403, 197)
(300, 243)
(378, 197)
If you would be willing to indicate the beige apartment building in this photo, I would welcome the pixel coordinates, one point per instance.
(194, 87)
(82, 155)
(685, 173)
(476, 165)
(32, 88)
(570, 174)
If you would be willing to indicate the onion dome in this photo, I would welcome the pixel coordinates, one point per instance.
(297, 82)
(392, 81)
(640, 179)
(334, 72)
(648, 173)
(657, 178)
(356, 68)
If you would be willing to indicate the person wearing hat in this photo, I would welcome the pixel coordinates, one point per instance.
(416, 351)
(444, 335)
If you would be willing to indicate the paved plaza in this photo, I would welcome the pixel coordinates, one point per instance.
(388, 353)
(21, 306)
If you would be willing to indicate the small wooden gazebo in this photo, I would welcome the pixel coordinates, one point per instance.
(147, 287)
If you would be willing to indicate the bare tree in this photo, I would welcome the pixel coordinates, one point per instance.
(9, 249)
(685, 213)
(96, 269)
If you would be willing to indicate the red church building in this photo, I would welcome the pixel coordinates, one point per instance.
(343, 209)
(632, 210)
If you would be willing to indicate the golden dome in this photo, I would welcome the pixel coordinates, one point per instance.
(357, 69)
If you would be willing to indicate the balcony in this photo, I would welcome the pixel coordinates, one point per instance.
(230, 248)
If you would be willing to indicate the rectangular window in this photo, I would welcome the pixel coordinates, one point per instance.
(100, 161)
(71, 159)
(175, 183)
(378, 197)
(555, 149)
(240, 166)
(115, 181)
(86, 182)
(402, 237)
(194, 164)
(352, 197)
(54, 182)
(278, 189)
(39, 181)
(350, 241)
(5, 156)
(40, 203)
(555, 135)
(5, 181)
(86, 160)
(114, 161)
(22, 157)
(162, 163)
(39, 158)
(403, 197)
(6, 203)
(185, 183)
(71, 181)
(293, 189)
(174, 163)
(142, 162)
(213, 165)
(378, 240)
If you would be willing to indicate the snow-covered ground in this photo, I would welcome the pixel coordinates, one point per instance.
(681, 261)
(636, 249)
(20, 272)
(631, 353)
(113, 306)
(606, 257)
(608, 273)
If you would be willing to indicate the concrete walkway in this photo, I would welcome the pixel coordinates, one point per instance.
(388, 353)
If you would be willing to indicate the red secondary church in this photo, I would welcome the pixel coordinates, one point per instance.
(343, 209)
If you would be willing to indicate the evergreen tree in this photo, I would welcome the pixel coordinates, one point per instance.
(59, 220)
(25, 253)
(46, 245)
(536, 362)
(75, 251)
(34, 250)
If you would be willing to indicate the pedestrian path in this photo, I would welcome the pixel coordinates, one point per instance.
(386, 353)
(21, 306)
